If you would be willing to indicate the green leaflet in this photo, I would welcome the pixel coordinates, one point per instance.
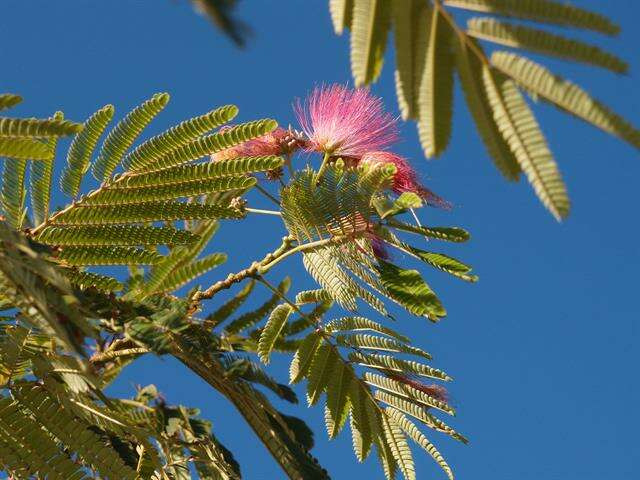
(449, 234)
(337, 406)
(341, 14)
(89, 279)
(358, 324)
(407, 288)
(145, 212)
(210, 144)
(187, 131)
(440, 261)
(419, 413)
(124, 134)
(364, 420)
(12, 194)
(272, 330)
(108, 256)
(201, 171)
(321, 371)
(417, 436)
(565, 95)
(548, 11)
(470, 72)
(372, 342)
(114, 235)
(397, 444)
(319, 295)
(82, 148)
(435, 92)
(24, 149)
(41, 179)
(303, 358)
(34, 127)
(121, 196)
(9, 100)
(369, 27)
(540, 41)
(390, 363)
(520, 129)
(411, 22)
(189, 271)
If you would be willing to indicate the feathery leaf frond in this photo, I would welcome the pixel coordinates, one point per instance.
(82, 148)
(114, 235)
(125, 133)
(518, 36)
(369, 27)
(549, 11)
(565, 95)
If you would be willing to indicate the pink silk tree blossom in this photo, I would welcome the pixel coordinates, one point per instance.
(345, 122)
(406, 178)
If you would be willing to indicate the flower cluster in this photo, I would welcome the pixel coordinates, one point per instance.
(351, 124)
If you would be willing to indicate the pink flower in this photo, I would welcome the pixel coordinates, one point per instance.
(406, 178)
(345, 122)
(277, 142)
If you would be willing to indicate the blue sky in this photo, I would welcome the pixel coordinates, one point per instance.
(542, 349)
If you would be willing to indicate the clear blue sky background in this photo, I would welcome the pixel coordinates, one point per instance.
(543, 349)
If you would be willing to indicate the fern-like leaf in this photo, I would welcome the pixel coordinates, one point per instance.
(24, 149)
(549, 11)
(114, 235)
(210, 144)
(202, 171)
(125, 133)
(397, 443)
(419, 413)
(337, 407)
(82, 148)
(390, 363)
(411, 27)
(449, 234)
(321, 371)
(108, 256)
(417, 436)
(35, 127)
(12, 193)
(272, 330)
(187, 131)
(522, 132)
(518, 36)
(359, 324)
(371, 342)
(41, 179)
(370, 25)
(407, 288)
(90, 279)
(145, 212)
(435, 94)
(123, 196)
(565, 95)
(470, 73)
(303, 358)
